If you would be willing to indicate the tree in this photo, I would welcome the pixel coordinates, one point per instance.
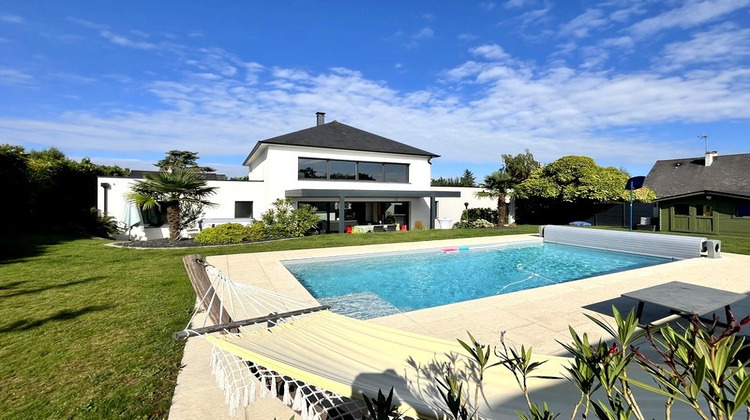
(574, 178)
(520, 166)
(170, 189)
(182, 159)
(15, 173)
(498, 185)
(468, 179)
(573, 188)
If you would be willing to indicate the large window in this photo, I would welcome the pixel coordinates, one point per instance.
(312, 168)
(342, 169)
(309, 168)
(369, 171)
(396, 172)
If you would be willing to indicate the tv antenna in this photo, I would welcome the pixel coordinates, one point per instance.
(704, 137)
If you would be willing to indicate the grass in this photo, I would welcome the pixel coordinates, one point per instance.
(86, 328)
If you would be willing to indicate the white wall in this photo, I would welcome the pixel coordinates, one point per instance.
(452, 208)
(273, 171)
(278, 166)
(280, 170)
(227, 193)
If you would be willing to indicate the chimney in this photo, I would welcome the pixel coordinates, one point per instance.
(321, 117)
(710, 156)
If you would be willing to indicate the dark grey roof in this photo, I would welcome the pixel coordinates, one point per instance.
(335, 135)
(728, 174)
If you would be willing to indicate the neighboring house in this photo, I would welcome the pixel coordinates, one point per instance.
(705, 195)
(351, 176)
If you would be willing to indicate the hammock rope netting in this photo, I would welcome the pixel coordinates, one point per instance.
(322, 364)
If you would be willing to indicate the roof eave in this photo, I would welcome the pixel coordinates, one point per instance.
(705, 192)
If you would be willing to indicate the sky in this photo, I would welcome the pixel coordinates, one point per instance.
(626, 82)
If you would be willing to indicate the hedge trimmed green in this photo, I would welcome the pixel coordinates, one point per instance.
(228, 233)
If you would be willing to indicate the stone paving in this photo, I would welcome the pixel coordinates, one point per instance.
(538, 317)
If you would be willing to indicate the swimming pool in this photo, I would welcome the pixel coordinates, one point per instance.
(368, 286)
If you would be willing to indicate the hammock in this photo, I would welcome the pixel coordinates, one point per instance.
(320, 363)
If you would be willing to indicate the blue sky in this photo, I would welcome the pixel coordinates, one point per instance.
(624, 82)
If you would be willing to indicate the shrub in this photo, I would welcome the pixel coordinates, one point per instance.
(463, 225)
(284, 221)
(228, 233)
(102, 226)
(480, 213)
(481, 223)
(256, 231)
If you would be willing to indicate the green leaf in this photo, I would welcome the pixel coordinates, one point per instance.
(742, 395)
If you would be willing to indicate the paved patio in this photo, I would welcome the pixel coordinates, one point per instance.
(536, 317)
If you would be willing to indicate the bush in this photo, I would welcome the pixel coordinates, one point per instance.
(480, 213)
(284, 221)
(256, 232)
(463, 225)
(102, 226)
(228, 233)
(481, 223)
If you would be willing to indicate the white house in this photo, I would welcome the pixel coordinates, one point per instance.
(352, 177)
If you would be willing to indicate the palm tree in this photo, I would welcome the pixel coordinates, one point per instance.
(170, 189)
(497, 185)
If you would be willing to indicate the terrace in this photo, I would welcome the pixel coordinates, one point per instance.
(538, 317)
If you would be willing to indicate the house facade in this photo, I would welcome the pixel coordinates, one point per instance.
(704, 195)
(352, 177)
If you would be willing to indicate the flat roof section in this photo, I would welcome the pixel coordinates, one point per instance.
(305, 192)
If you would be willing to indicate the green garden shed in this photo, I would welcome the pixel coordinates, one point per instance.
(707, 196)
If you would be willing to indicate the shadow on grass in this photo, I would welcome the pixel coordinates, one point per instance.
(18, 248)
(12, 291)
(65, 314)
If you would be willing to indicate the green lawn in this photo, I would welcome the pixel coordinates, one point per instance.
(85, 329)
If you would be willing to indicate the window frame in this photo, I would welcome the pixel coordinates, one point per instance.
(380, 174)
(243, 202)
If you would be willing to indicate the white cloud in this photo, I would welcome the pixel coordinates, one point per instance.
(582, 24)
(533, 16)
(552, 112)
(12, 19)
(88, 24)
(490, 52)
(487, 5)
(624, 42)
(514, 4)
(125, 42)
(424, 33)
(467, 37)
(692, 13)
(723, 44)
(12, 77)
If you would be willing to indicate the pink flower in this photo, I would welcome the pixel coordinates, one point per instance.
(614, 349)
(745, 320)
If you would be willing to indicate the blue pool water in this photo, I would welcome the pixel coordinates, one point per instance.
(368, 286)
